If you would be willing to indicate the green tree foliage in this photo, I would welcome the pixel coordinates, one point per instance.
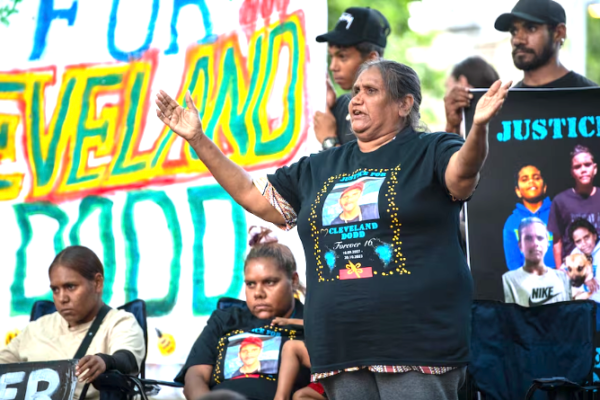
(593, 49)
(400, 40)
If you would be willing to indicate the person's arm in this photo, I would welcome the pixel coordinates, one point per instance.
(91, 366)
(557, 249)
(125, 335)
(124, 352)
(197, 379)
(324, 123)
(462, 172)
(293, 355)
(122, 360)
(197, 371)
(237, 182)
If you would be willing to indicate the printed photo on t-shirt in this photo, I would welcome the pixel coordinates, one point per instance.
(351, 202)
(249, 355)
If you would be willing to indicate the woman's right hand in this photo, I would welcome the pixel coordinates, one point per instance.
(183, 121)
(490, 103)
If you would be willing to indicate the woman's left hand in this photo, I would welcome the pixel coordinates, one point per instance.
(93, 364)
(491, 103)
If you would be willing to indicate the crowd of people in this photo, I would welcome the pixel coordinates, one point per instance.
(360, 334)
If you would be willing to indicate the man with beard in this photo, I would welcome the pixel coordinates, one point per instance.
(538, 31)
(530, 188)
(581, 201)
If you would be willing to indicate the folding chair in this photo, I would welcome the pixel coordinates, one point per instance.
(513, 346)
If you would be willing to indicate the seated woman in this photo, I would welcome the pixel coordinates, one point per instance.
(239, 349)
(77, 281)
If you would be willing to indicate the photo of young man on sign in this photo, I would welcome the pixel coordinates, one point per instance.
(530, 189)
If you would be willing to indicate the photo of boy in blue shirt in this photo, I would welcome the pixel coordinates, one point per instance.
(530, 188)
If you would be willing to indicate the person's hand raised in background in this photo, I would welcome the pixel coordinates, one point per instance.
(324, 122)
(457, 97)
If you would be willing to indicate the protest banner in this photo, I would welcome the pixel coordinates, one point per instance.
(84, 159)
(543, 149)
(52, 380)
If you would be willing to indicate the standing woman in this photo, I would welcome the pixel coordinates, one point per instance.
(388, 299)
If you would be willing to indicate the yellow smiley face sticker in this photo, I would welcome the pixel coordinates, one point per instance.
(166, 343)
(10, 336)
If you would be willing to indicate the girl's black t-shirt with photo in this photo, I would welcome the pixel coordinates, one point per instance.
(388, 282)
(245, 352)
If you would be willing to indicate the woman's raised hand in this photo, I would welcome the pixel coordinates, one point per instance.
(491, 103)
(184, 122)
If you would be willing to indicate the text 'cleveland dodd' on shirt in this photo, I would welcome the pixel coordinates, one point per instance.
(388, 283)
(244, 352)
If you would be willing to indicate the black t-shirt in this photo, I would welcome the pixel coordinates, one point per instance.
(389, 287)
(570, 80)
(342, 119)
(233, 336)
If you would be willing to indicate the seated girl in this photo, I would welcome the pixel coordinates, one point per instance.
(239, 349)
(77, 281)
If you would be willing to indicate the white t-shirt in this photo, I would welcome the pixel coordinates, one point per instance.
(530, 290)
(49, 338)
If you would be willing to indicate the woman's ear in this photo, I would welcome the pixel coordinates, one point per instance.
(406, 105)
(295, 281)
(99, 283)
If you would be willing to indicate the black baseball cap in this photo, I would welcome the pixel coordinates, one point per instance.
(356, 25)
(538, 11)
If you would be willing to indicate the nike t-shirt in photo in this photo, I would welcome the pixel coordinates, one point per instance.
(530, 290)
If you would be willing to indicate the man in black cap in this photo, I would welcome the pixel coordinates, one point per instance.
(360, 35)
(538, 31)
